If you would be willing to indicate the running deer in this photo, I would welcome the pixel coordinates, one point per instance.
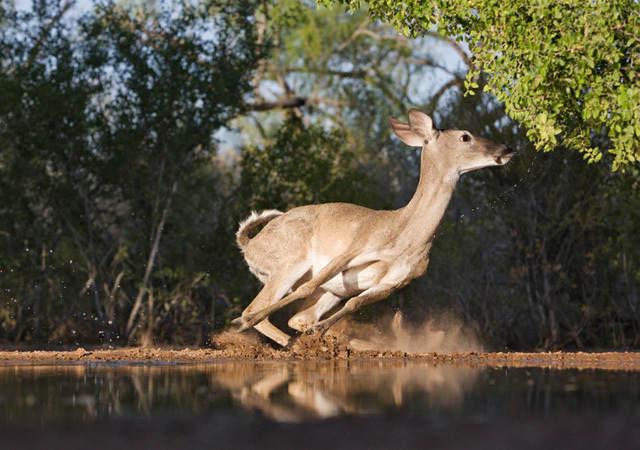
(329, 252)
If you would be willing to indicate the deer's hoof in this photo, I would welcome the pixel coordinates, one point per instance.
(301, 322)
(320, 328)
(240, 323)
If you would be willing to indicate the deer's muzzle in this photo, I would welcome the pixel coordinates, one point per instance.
(505, 156)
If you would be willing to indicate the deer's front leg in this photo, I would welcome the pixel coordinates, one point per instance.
(321, 302)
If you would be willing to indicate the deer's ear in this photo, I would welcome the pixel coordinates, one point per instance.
(405, 133)
(422, 125)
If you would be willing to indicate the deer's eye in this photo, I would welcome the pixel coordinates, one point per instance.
(465, 138)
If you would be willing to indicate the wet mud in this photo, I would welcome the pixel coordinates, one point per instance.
(233, 346)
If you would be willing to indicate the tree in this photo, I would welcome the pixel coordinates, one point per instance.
(45, 169)
(304, 165)
(349, 74)
(568, 71)
(106, 145)
(174, 87)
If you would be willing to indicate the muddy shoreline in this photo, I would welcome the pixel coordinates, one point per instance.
(265, 420)
(323, 350)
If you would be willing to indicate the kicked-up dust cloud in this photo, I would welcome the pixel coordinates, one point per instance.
(440, 333)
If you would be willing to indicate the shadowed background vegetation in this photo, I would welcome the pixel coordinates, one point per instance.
(135, 135)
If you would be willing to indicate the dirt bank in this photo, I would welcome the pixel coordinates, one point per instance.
(237, 347)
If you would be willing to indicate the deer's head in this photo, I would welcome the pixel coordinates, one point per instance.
(456, 151)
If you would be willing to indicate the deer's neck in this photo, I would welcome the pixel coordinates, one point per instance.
(423, 213)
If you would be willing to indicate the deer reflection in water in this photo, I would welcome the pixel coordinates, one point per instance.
(290, 391)
(300, 391)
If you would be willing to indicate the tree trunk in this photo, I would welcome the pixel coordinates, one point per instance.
(150, 263)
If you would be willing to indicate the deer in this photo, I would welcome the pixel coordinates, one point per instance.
(329, 252)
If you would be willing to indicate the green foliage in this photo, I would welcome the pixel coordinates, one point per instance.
(304, 165)
(541, 253)
(567, 71)
(106, 146)
(353, 75)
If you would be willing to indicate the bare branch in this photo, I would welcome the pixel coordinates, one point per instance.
(436, 97)
(294, 102)
(380, 37)
(45, 31)
(289, 93)
(328, 101)
(428, 62)
(261, 26)
(114, 289)
(283, 103)
(337, 73)
(456, 47)
(355, 34)
(150, 263)
(258, 124)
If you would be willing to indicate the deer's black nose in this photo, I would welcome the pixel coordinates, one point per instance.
(507, 151)
(505, 155)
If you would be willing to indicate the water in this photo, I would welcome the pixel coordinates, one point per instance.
(310, 391)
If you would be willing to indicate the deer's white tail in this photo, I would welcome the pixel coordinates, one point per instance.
(252, 222)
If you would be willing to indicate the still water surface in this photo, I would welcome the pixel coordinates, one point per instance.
(308, 391)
